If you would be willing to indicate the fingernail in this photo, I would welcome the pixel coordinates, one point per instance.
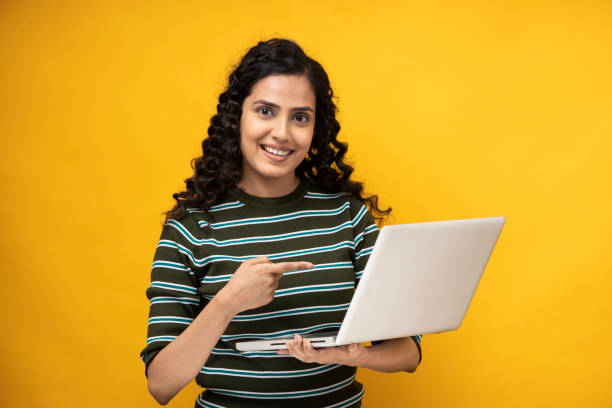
(310, 265)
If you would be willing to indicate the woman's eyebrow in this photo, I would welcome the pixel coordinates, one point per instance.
(273, 105)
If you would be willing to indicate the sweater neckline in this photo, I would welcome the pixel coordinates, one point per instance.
(271, 202)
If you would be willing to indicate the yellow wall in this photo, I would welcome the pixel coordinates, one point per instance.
(451, 110)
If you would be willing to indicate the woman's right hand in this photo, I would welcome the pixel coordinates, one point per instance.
(255, 281)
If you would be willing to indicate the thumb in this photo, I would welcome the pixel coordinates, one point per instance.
(259, 260)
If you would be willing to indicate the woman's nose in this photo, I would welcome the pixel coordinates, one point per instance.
(281, 129)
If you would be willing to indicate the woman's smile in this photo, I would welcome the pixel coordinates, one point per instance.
(276, 153)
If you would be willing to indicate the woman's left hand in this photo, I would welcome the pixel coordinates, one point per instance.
(301, 349)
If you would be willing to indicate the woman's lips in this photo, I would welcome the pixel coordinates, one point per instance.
(275, 153)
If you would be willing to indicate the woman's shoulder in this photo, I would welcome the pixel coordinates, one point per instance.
(194, 219)
(182, 228)
(317, 191)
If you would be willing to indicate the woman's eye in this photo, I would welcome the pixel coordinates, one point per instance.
(265, 111)
(301, 117)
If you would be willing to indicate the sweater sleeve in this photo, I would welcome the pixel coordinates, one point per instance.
(173, 292)
(365, 232)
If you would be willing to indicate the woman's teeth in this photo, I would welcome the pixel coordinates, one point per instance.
(274, 151)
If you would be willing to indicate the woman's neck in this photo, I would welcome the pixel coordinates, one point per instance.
(264, 188)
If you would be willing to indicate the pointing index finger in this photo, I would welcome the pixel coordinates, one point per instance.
(283, 267)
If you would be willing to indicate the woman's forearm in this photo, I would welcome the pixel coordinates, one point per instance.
(180, 361)
(401, 354)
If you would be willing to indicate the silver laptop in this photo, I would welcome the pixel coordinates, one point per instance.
(419, 279)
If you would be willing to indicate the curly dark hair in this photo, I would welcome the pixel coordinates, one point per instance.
(220, 166)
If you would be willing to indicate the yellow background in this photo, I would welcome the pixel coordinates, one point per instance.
(452, 109)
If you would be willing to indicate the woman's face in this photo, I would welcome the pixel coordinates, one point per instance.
(276, 129)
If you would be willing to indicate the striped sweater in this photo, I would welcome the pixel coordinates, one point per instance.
(196, 256)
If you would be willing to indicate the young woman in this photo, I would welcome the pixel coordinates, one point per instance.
(269, 239)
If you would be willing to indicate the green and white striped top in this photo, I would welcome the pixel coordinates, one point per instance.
(197, 255)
